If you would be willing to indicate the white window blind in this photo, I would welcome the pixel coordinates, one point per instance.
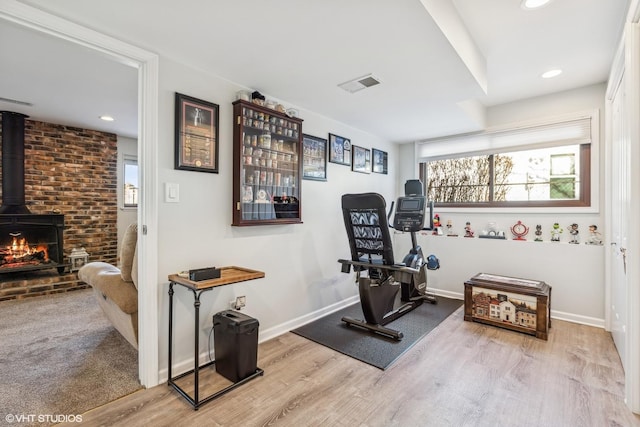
(566, 132)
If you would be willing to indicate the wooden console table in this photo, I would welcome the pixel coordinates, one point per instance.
(228, 275)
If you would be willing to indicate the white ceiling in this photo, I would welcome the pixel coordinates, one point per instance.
(433, 57)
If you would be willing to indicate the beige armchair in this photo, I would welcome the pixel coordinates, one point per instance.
(116, 288)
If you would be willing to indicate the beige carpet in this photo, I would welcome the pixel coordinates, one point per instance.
(59, 355)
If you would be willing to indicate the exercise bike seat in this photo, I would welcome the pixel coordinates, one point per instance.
(365, 219)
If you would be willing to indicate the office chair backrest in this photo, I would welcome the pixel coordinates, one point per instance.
(365, 219)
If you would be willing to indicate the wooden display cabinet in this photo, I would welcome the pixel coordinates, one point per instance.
(267, 166)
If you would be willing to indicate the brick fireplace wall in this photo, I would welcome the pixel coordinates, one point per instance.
(71, 171)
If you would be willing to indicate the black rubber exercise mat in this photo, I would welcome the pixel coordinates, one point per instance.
(372, 348)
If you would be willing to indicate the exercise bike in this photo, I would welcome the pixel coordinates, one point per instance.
(379, 277)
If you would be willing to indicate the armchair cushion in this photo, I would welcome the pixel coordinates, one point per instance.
(127, 251)
(108, 280)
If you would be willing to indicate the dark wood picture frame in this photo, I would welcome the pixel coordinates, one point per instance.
(380, 162)
(196, 134)
(361, 160)
(314, 158)
(339, 150)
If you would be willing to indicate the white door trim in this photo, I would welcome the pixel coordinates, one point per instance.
(632, 72)
(626, 66)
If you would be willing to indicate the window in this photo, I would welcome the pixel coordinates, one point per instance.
(545, 165)
(130, 182)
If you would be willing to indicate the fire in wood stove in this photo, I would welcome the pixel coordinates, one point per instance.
(31, 242)
(19, 253)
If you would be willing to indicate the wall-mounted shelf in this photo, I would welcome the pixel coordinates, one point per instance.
(267, 166)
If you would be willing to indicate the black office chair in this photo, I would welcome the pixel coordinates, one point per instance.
(379, 277)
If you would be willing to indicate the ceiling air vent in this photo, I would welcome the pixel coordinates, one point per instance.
(360, 83)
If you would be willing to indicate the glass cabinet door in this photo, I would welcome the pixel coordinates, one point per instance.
(267, 166)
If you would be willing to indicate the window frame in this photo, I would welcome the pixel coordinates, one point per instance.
(589, 170)
(584, 200)
(128, 159)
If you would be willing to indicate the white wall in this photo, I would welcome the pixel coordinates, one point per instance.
(408, 166)
(575, 272)
(300, 261)
(126, 216)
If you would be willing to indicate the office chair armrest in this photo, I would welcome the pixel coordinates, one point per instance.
(346, 263)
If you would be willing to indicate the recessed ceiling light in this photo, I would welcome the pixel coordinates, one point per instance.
(551, 73)
(534, 4)
(107, 118)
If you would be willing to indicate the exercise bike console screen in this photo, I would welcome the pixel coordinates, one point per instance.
(409, 214)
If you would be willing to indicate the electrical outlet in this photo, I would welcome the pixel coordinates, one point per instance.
(238, 303)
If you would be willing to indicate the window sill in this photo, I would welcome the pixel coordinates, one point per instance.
(522, 210)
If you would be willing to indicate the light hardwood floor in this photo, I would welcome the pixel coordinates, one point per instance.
(461, 374)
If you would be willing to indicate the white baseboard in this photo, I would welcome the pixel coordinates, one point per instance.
(447, 294)
(560, 315)
(186, 365)
(283, 328)
(576, 318)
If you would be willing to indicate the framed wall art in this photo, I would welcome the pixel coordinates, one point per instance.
(380, 161)
(314, 158)
(361, 160)
(196, 127)
(339, 150)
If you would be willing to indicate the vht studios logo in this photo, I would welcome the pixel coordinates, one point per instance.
(42, 418)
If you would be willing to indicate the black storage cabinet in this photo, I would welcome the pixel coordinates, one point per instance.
(236, 344)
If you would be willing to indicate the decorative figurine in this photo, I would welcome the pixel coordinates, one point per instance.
(555, 232)
(468, 232)
(492, 232)
(437, 226)
(450, 231)
(247, 195)
(573, 230)
(519, 230)
(538, 233)
(595, 237)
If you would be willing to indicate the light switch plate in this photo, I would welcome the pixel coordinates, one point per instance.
(171, 192)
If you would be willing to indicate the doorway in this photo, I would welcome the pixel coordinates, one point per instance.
(620, 197)
(622, 295)
(147, 65)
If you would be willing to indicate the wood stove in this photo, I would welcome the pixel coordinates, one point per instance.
(27, 241)
(31, 242)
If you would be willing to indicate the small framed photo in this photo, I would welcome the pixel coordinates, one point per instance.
(196, 134)
(361, 159)
(380, 161)
(339, 150)
(314, 158)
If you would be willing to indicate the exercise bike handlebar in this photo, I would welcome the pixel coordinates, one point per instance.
(390, 213)
(394, 267)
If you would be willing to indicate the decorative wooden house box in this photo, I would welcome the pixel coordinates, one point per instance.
(521, 305)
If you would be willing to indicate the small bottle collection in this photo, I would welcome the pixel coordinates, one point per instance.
(519, 232)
